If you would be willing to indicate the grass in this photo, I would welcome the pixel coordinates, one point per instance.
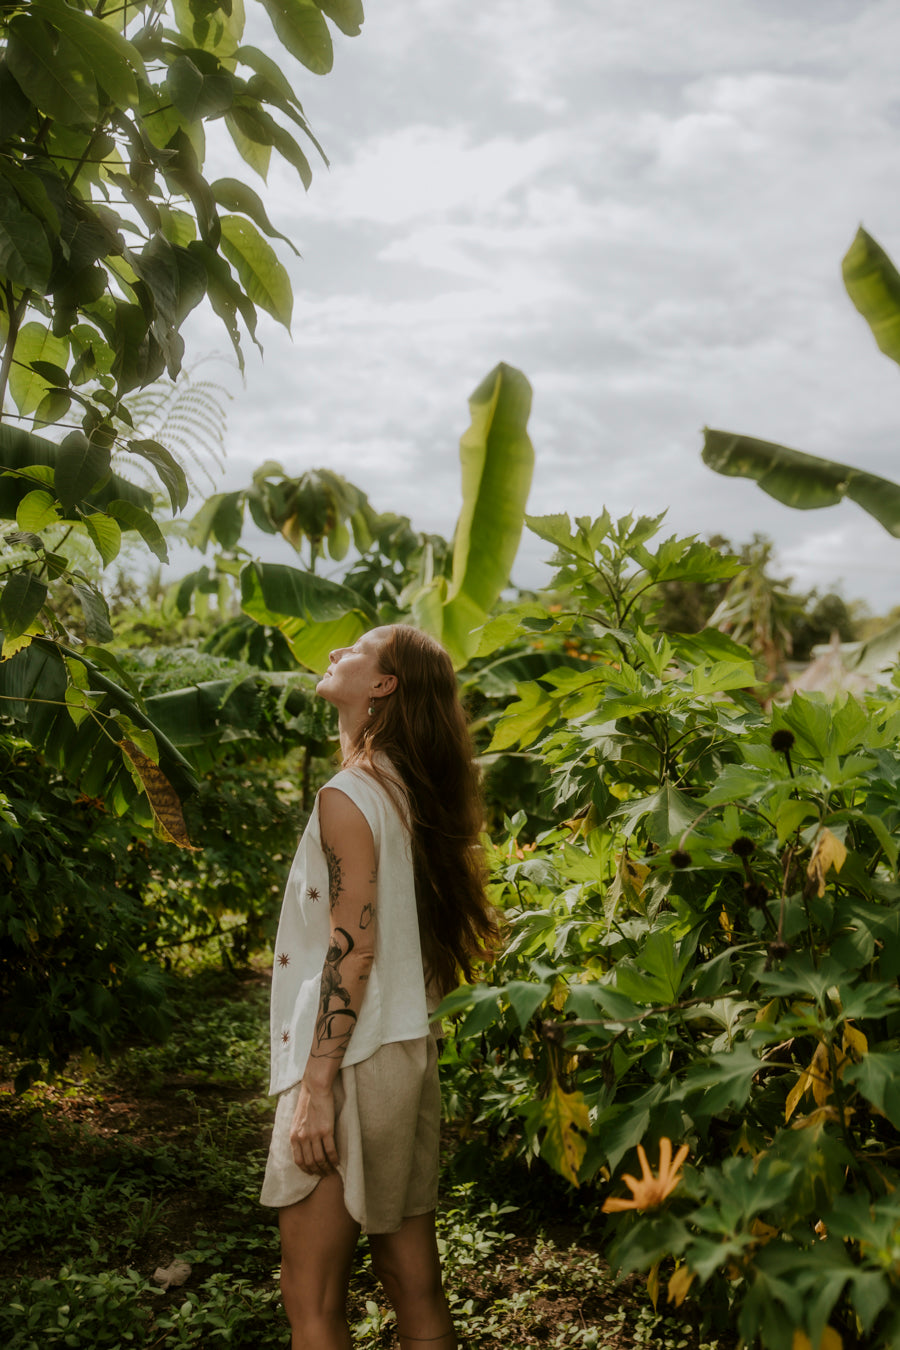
(115, 1171)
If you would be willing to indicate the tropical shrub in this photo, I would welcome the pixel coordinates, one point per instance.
(704, 950)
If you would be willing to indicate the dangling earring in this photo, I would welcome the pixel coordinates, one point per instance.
(371, 709)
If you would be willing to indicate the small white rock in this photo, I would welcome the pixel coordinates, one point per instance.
(171, 1277)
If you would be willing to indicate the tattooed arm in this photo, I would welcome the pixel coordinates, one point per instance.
(350, 855)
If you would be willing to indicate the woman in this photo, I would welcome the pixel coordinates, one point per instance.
(384, 910)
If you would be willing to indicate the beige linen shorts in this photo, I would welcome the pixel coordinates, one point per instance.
(387, 1133)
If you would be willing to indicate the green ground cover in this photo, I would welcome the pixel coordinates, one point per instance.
(113, 1172)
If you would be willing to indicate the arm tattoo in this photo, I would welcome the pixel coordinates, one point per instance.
(335, 1025)
(367, 915)
(335, 878)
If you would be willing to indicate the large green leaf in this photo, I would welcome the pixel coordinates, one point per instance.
(109, 56)
(22, 450)
(211, 27)
(34, 343)
(167, 467)
(52, 72)
(263, 277)
(197, 95)
(497, 463)
(878, 1078)
(301, 27)
(802, 480)
(105, 535)
(873, 284)
(236, 196)
(315, 615)
(271, 592)
(25, 257)
(256, 153)
(20, 602)
(312, 643)
(80, 466)
(131, 517)
(347, 14)
(32, 690)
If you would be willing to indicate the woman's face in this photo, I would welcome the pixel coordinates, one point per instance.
(354, 677)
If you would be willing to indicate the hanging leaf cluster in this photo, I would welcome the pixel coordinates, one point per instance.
(111, 234)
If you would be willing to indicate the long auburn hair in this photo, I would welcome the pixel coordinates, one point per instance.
(421, 729)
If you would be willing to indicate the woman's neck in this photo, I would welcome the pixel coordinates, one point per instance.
(350, 726)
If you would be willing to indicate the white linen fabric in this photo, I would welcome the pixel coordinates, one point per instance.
(387, 1133)
(394, 1007)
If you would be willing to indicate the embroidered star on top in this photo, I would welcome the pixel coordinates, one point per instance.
(284, 959)
(285, 1037)
(312, 892)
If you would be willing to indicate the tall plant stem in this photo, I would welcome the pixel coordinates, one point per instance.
(16, 311)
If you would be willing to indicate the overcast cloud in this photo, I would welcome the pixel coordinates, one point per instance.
(642, 205)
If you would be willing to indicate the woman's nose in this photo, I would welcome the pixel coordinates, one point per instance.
(335, 655)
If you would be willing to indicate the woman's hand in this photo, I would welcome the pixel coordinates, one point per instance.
(312, 1131)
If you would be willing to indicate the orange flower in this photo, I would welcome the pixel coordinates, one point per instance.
(649, 1192)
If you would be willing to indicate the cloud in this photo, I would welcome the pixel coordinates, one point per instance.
(644, 207)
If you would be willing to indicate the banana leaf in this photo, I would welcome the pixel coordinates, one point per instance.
(497, 464)
(800, 480)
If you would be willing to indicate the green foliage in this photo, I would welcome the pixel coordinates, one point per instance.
(97, 906)
(159, 1154)
(109, 237)
(873, 284)
(497, 462)
(104, 141)
(72, 921)
(704, 951)
(400, 575)
(801, 480)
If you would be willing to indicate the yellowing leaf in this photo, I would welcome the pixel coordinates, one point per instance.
(679, 1284)
(828, 852)
(823, 1115)
(820, 1073)
(12, 645)
(817, 1077)
(560, 995)
(763, 1231)
(796, 1092)
(162, 797)
(854, 1044)
(653, 1285)
(831, 1340)
(565, 1115)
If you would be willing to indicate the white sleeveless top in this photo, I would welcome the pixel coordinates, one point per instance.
(394, 1005)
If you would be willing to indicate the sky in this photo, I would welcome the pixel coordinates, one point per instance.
(642, 205)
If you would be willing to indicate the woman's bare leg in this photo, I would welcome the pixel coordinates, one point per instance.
(318, 1239)
(409, 1268)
